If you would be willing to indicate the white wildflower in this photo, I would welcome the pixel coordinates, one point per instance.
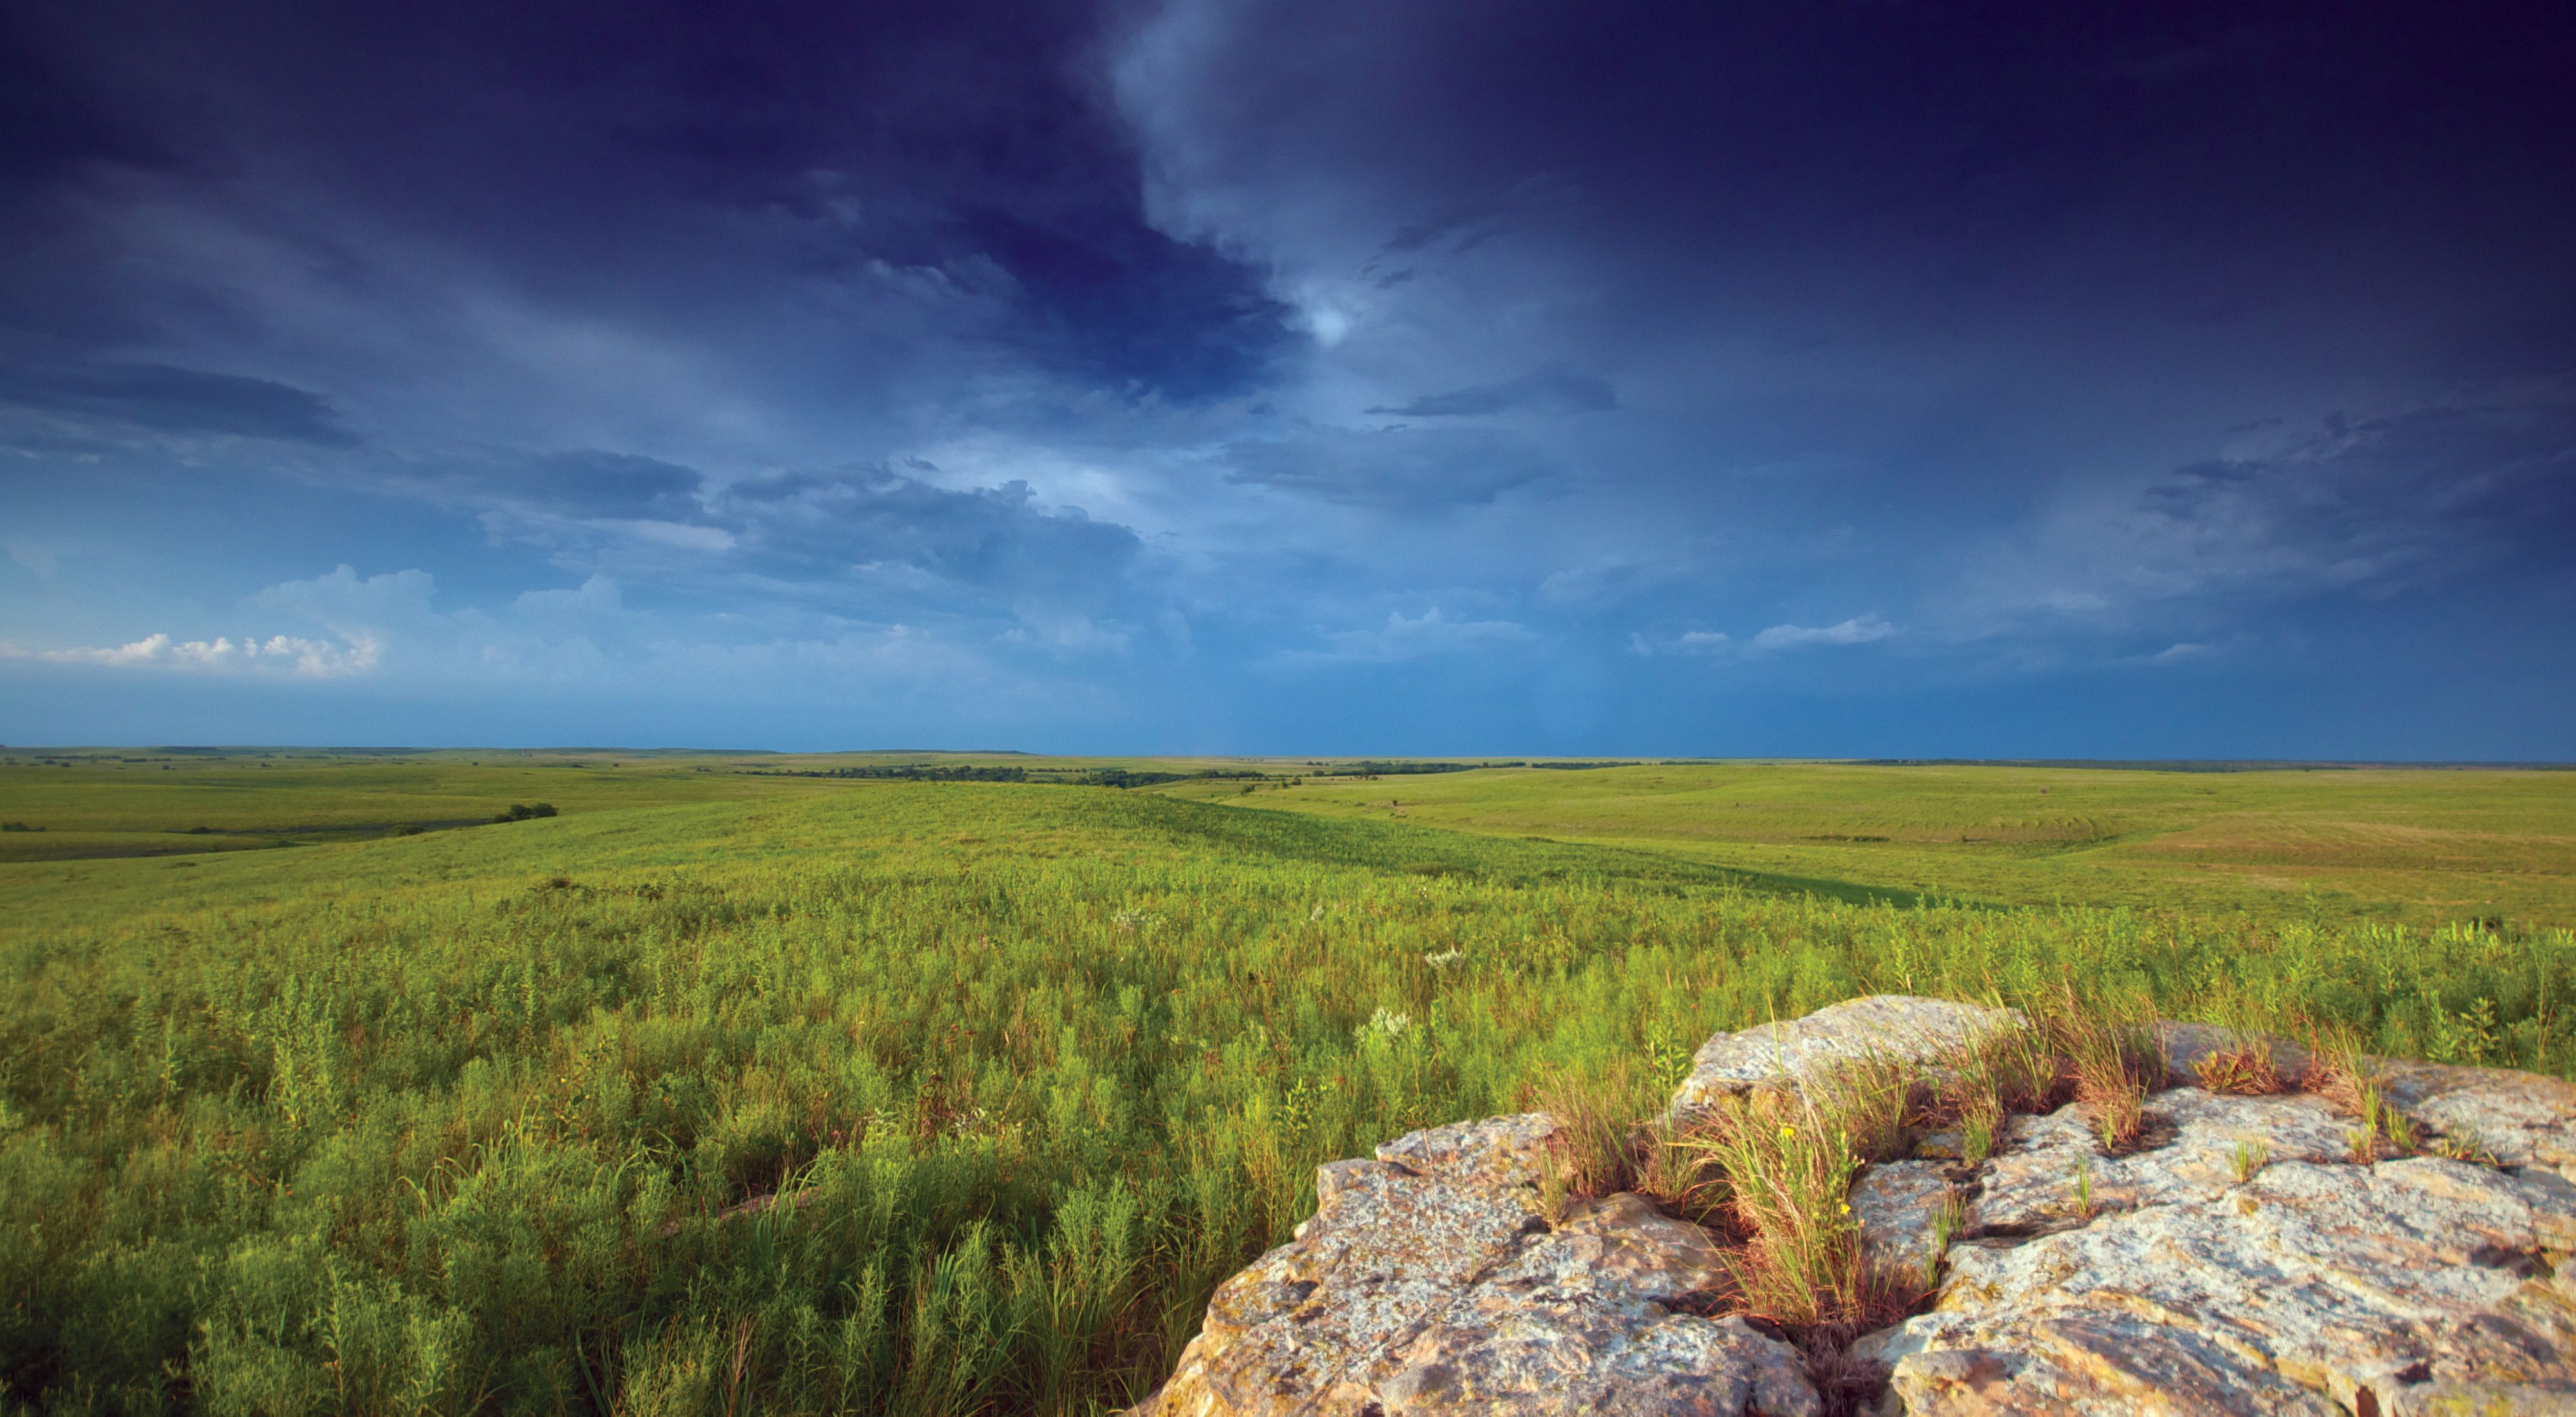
(1385, 1023)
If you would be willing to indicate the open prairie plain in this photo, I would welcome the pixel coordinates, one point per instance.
(730, 1088)
(2391, 843)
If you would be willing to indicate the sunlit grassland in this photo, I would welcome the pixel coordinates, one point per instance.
(2410, 844)
(90, 803)
(140, 803)
(81, 805)
(453, 1122)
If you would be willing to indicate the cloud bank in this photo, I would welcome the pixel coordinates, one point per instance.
(1251, 376)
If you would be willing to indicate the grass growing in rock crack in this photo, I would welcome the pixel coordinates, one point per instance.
(1788, 1159)
(2247, 1159)
(1774, 1167)
(2110, 1048)
(2244, 1068)
(1599, 1146)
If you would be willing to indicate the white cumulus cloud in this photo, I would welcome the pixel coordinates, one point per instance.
(289, 654)
(1859, 630)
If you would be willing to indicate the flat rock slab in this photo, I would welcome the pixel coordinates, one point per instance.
(1427, 1282)
(2051, 1171)
(2240, 1260)
(2520, 1119)
(2318, 1286)
(1894, 1027)
(1900, 1208)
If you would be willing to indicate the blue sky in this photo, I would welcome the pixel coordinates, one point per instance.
(1819, 378)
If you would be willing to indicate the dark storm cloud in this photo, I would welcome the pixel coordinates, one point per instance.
(1918, 192)
(2426, 493)
(991, 540)
(1395, 469)
(1547, 392)
(163, 399)
(1921, 340)
(670, 155)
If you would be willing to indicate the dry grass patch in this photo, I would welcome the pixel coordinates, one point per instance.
(2247, 1069)
(2353, 1083)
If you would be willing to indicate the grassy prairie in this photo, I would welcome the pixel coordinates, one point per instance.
(2399, 844)
(141, 803)
(93, 803)
(730, 1094)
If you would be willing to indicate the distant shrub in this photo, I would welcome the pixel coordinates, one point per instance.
(526, 812)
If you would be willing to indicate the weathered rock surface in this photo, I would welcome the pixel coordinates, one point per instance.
(1900, 1207)
(1895, 1027)
(1428, 1282)
(2237, 1260)
(2241, 1260)
(2299, 1291)
(2517, 1118)
(2200, 1141)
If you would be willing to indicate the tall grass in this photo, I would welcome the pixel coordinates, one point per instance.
(471, 1126)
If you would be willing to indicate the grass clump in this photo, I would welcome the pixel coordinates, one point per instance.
(1788, 1167)
(2356, 1083)
(2462, 1141)
(2108, 1047)
(1598, 1146)
(1987, 1078)
(1784, 1160)
(2244, 1068)
(2247, 1159)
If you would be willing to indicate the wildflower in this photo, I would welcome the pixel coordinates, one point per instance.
(1787, 1132)
(1386, 1023)
(1846, 1210)
(1444, 959)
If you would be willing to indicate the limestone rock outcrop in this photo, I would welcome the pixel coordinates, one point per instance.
(1428, 1282)
(2251, 1254)
(2244, 1261)
(1895, 1027)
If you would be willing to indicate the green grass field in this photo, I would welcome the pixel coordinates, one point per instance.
(2423, 846)
(733, 1093)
